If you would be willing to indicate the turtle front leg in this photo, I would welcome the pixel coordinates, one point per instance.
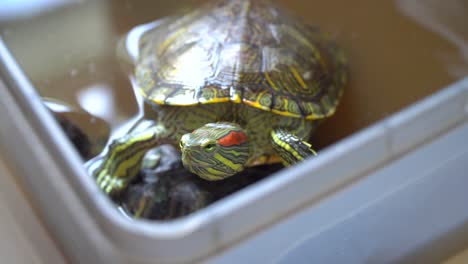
(122, 161)
(289, 147)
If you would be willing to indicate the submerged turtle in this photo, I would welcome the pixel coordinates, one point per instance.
(236, 83)
(166, 190)
(86, 132)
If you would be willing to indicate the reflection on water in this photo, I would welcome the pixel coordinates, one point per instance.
(133, 36)
(72, 53)
(450, 20)
(14, 9)
(98, 100)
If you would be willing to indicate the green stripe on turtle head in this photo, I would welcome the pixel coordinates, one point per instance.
(216, 150)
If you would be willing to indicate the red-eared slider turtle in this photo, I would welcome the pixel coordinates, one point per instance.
(236, 83)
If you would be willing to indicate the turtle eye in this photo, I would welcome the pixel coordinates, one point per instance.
(210, 147)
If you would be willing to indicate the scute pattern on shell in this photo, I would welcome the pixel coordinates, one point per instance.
(243, 51)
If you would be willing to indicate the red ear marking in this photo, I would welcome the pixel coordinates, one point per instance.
(233, 138)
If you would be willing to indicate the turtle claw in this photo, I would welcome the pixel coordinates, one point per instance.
(111, 185)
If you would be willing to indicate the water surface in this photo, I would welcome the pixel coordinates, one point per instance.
(399, 52)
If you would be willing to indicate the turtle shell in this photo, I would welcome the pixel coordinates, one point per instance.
(242, 51)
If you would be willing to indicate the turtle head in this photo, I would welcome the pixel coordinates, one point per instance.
(215, 151)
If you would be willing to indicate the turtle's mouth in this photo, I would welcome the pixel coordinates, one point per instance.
(186, 156)
(188, 161)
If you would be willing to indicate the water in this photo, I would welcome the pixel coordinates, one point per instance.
(399, 52)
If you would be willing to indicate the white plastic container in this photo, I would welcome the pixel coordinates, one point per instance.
(394, 192)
